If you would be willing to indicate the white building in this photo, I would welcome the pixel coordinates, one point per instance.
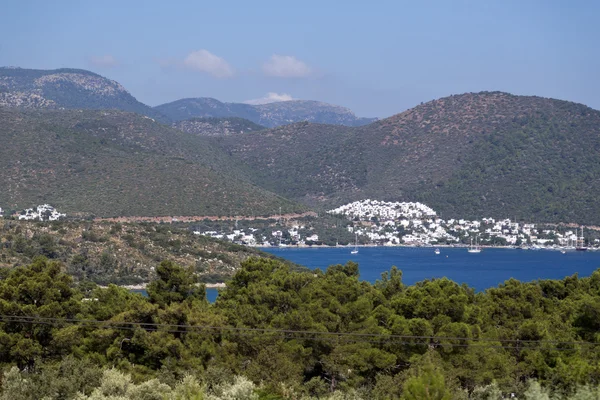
(45, 212)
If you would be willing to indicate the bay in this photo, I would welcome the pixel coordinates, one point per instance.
(481, 271)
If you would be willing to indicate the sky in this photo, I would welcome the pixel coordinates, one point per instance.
(378, 58)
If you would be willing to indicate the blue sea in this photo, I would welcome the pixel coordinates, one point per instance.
(481, 271)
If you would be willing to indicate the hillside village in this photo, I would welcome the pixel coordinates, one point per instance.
(44, 212)
(382, 223)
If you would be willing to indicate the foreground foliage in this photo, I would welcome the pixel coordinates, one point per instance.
(288, 334)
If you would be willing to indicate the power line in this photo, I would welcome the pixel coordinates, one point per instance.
(352, 337)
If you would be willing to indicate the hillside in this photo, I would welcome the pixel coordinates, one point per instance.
(302, 161)
(471, 155)
(67, 88)
(269, 115)
(217, 126)
(111, 163)
(108, 252)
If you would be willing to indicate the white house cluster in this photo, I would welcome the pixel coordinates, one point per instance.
(45, 212)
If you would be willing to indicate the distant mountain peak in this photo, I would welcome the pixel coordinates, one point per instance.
(270, 114)
(66, 88)
(93, 83)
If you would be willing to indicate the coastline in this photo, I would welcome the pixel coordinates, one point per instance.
(218, 285)
(142, 286)
(445, 246)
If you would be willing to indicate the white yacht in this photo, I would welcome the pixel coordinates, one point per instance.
(475, 249)
(355, 251)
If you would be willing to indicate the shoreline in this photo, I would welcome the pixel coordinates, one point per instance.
(444, 246)
(142, 286)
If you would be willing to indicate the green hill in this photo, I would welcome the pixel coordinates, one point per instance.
(120, 253)
(67, 88)
(111, 163)
(471, 155)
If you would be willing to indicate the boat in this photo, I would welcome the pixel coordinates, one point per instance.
(475, 249)
(581, 242)
(437, 251)
(355, 251)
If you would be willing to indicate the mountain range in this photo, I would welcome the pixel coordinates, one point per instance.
(81, 89)
(269, 115)
(469, 155)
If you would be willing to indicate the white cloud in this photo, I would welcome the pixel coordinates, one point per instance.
(204, 61)
(105, 61)
(286, 67)
(270, 97)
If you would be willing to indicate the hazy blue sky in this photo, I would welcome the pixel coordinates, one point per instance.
(376, 57)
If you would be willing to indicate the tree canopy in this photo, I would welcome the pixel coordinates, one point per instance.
(314, 332)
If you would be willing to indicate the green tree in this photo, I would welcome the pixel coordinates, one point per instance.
(39, 290)
(174, 284)
(429, 384)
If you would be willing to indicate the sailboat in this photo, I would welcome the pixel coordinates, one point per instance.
(581, 242)
(355, 251)
(475, 249)
(437, 251)
(280, 222)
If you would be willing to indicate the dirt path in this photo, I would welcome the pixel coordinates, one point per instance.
(196, 218)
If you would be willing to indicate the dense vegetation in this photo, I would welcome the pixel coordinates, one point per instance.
(67, 88)
(111, 163)
(120, 253)
(470, 155)
(217, 126)
(293, 334)
(308, 162)
(269, 115)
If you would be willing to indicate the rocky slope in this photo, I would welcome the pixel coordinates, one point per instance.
(67, 88)
(217, 126)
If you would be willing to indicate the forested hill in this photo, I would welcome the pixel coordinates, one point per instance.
(470, 155)
(67, 88)
(269, 115)
(120, 253)
(111, 163)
